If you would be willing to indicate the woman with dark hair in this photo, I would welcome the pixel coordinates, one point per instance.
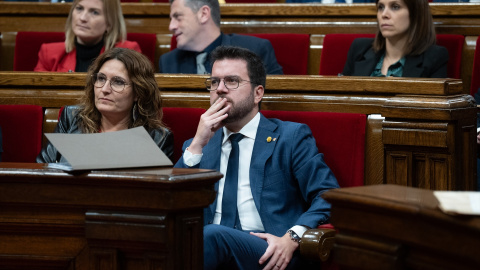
(120, 93)
(404, 45)
(92, 27)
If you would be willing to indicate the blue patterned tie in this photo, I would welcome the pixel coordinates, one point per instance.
(230, 188)
(340, 1)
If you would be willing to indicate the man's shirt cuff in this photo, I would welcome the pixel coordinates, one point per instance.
(191, 159)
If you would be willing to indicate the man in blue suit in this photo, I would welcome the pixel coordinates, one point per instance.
(280, 173)
(195, 24)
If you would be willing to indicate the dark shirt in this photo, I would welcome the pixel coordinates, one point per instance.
(86, 55)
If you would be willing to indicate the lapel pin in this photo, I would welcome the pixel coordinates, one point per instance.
(274, 139)
(269, 139)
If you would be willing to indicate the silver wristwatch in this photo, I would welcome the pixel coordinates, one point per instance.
(294, 236)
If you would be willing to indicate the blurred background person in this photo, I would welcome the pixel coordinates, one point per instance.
(120, 93)
(404, 45)
(92, 27)
(196, 26)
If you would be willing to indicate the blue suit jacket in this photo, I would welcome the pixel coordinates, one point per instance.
(180, 61)
(362, 59)
(287, 175)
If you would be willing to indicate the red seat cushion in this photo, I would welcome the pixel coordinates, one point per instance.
(21, 132)
(183, 123)
(27, 46)
(291, 51)
(475, 84)
(454, 45)
(147, 43)
(335, 51)
(339, 136)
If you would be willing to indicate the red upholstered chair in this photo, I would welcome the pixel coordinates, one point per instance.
(183, 122)
(21, 132)
(475, 84)
(291, 51)
(147, 43)
(336, 46)
(454, 45)
(27, 45)
(335, 51)
(341, 138)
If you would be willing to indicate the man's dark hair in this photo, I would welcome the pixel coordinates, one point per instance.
(255, 67)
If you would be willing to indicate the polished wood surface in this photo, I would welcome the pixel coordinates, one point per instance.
(314, 19)
(149, 218)
(398, 227)
(420, 132)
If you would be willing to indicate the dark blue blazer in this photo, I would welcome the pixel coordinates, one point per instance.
(287, 175)
(362, 59)
(180, 61)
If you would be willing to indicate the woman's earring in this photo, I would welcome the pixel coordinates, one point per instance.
(134, 112)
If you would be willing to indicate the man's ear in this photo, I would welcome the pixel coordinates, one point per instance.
(204, 14)
(258, 92)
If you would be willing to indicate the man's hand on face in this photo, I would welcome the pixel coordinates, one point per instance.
(209, 123)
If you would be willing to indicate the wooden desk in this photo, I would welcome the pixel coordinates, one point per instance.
(314, 19)
(426, 138)
(119, 219)
(397, 227)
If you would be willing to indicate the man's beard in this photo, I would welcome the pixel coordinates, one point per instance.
(241, 109)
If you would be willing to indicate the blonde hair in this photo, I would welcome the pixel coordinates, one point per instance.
(114, 18)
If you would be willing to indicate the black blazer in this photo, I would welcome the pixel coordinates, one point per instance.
(180, 61)
(362, 60)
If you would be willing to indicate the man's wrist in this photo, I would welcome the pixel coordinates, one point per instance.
(294, 236)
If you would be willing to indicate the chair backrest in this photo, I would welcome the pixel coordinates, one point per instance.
(291, 51)
(336, 46)
(27, 46)
(335, 51)
(475, 83)
(21, 132)
(339, 136)
(454, 45)
(183, 123)
(147, 43)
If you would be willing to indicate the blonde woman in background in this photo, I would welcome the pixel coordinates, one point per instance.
(92, 27)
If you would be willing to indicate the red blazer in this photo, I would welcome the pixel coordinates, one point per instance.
(53, 57)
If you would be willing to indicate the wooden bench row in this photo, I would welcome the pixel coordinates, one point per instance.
(317, 20)
(419, 132)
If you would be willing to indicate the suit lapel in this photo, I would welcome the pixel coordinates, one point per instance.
(412, 66)
(365, 66)
(265, 142)
(211, 159)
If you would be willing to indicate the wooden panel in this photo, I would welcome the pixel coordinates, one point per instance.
(404, 226)
(432, 119)
(316, 20)
(117, 219)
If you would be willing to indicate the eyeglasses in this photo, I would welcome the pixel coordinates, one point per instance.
(230, 82)
(116, 83)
